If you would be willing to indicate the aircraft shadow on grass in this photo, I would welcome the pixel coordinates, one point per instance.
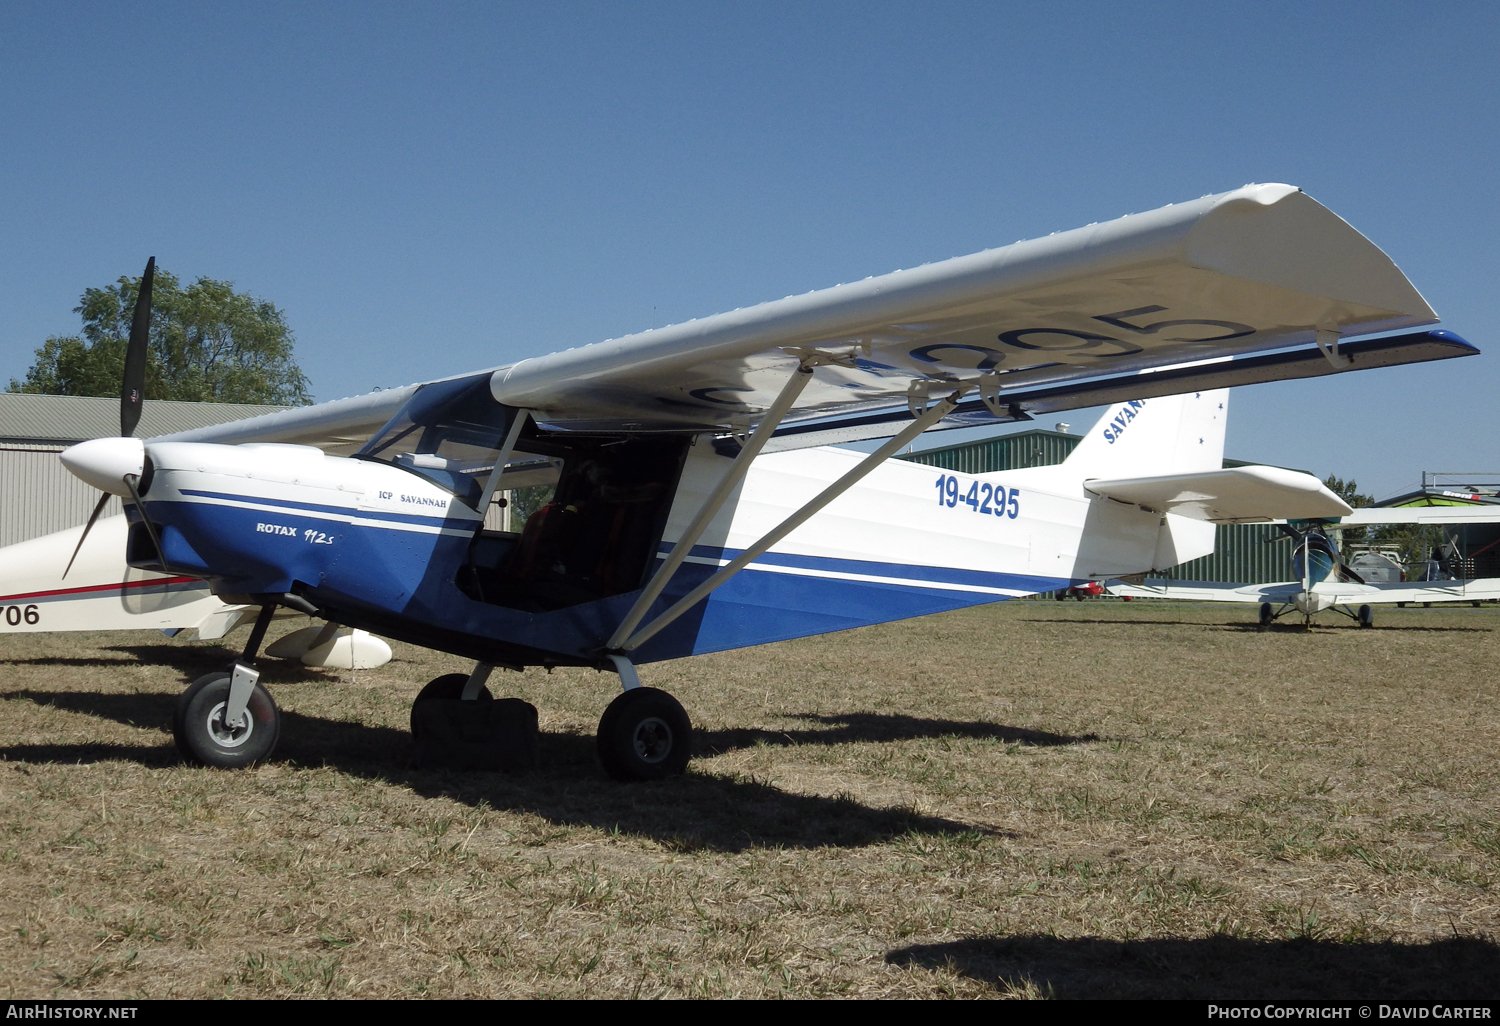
(696, 811)
(852, 727)
(1223, 968)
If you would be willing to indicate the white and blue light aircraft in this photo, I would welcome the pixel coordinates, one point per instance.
(1322, 581)
(697, 503)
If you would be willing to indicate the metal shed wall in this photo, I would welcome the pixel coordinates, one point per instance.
(1036, 448)
(38, 496)
(1242, 552)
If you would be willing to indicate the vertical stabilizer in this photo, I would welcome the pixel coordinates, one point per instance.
(1177, 434)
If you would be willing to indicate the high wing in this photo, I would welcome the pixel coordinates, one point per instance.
(1078, 318)
(1333, 592)
(1486, 514)
(1232, 496)
(338, 428)
(1205, 591)
(1478, 590)
(1261, 268)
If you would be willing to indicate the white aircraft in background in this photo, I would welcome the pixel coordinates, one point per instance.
(1324, 581)
(99, 591)
(697, 505)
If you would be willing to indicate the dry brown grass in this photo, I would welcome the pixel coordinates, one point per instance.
(1027, 799)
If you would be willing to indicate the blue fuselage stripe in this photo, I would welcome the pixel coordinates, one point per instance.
(917, 574)
(292, 505)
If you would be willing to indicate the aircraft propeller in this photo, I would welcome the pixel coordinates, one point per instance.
(1300, 538)
(102, 461)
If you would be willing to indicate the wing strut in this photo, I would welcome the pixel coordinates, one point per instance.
(934, 414)
(501, 459)
(715, 501)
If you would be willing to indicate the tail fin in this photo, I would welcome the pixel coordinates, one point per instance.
(1177, 434)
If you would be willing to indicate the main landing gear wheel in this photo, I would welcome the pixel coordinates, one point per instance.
(450, 686)
(1366, 617)
(1267, 614)
(645, 734)
(202, 735)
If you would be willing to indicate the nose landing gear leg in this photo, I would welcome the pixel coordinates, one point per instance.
(226, 719)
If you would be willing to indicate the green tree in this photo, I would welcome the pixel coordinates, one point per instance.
(208, 343)
(1350, 493)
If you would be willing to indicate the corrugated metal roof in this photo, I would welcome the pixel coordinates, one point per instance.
(71, 418)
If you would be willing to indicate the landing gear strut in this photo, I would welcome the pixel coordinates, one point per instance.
(449, 687)
(644, 734)
(226, 719)
(457, 724)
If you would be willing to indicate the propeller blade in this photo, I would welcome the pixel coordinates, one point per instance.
(103, 498)
(131, 481)
(133, 390)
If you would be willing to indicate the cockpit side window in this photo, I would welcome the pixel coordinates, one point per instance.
(450, 432)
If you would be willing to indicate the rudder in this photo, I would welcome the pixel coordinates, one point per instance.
(1177, 434)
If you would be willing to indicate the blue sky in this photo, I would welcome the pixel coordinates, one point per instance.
(431, 188)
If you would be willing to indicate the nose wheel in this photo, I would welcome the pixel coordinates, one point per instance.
(644, 734)
(204, 734)
(226, 719)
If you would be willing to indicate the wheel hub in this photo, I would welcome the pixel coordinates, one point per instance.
(652, 740)
(224, 735)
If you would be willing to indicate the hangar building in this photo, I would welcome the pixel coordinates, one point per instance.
(37, 496)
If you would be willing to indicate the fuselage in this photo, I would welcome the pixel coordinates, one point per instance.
(1315, 561)
(384, 548)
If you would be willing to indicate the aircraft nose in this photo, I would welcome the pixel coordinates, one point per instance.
(104, 462)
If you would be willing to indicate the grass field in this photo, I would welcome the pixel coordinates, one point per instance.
(1029, 799)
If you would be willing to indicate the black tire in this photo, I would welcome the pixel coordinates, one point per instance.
(645, 734)
(1267, 614)
(1366, 617)
(198, 725)
(1060, 595)
(449, 686)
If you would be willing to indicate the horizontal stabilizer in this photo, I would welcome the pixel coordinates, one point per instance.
(1234, 496)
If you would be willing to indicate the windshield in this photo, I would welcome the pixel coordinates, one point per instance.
(450, 432)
